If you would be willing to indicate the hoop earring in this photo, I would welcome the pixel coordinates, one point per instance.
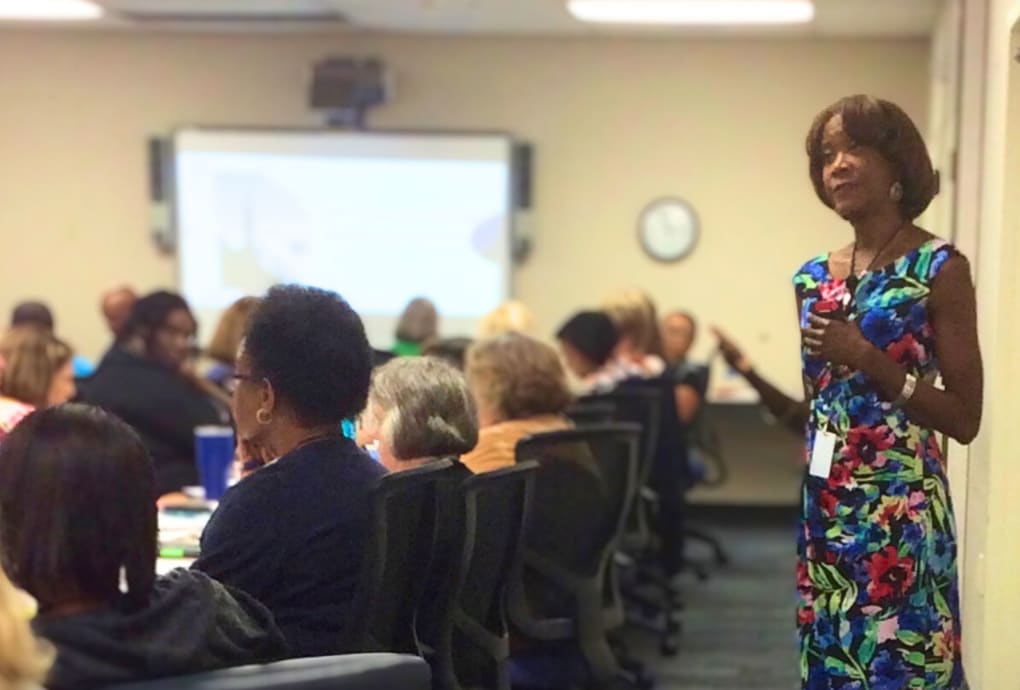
(263, 417)
(896, 192)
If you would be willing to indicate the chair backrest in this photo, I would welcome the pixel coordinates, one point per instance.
(473, 647)
(669, 470)
(585, 484)
(633, 402)
(348, 672)
(703, 438)
(584, 413)
(403, 515)
(434, 605)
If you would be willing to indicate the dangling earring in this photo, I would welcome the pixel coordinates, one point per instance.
(263, 417)
(896, 192)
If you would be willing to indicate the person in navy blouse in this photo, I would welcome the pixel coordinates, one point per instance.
(291, 533)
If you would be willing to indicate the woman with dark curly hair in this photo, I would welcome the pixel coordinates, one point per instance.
(882, 319)
(520, 388)
(144, 379)
(291, 533)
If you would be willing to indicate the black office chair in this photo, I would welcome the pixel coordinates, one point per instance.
(670, 476)
(403, 516)
(584, 413)
(348, 672)
(447, 550)
(467, 634)
(650, 600)
(585, 484)
(632, 403)
(704, 441)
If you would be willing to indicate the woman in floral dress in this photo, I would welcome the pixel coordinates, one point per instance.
(882, 320)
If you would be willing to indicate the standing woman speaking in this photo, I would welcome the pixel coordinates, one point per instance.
(882, 320)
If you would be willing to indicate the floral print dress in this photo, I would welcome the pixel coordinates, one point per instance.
(877, 575)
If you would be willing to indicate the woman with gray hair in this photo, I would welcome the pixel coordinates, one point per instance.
(419, 409)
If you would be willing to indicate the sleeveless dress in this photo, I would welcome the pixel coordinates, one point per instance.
(877, 577)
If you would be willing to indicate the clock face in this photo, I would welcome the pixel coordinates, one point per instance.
(668, 229)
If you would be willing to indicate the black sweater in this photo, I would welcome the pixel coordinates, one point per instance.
(191, 624)
(292, 535)
(162, 406)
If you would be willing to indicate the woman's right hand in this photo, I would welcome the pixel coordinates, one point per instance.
(733, 355)
(250, 457)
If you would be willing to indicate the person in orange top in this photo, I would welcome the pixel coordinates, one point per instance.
(520, 387)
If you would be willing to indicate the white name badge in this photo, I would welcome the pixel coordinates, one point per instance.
(822, 453)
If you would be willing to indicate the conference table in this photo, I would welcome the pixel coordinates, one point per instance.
(180, 528)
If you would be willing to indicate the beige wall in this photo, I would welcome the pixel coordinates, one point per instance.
(615, 124)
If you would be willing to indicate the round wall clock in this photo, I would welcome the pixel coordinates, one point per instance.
(668, 229)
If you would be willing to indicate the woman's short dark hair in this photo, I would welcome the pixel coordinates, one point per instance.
(78, 504)
(518, 377)
(592, 333)
(884, 126)
(419, 322)
(150, 313)
(311, 346)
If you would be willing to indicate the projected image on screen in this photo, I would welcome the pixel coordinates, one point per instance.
(379, 219)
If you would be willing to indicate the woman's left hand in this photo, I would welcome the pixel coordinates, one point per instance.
(835, 341)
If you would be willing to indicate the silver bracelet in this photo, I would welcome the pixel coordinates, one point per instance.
(909, 387)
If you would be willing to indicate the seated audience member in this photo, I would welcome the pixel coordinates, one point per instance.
(34, 315)
(588, 340)
(24, 660)
(116, 306)
(147, 382)
(639, 346)
(678, 331)
(76, 493)
(419, 409)
(418, 326)
(226, 341)
(509, 317)
(35, 372)
(639, 351)
(520, 388)
(38, 316)
(450, 350)
(292, 532)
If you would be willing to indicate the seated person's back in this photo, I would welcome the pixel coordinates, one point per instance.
(292, 532)
(77, 492)
(420, 409)
(520, 388)
(141, 380)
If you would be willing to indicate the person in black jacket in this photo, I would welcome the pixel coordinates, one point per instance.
(293, 531)
(76, 494)
(144, 379)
